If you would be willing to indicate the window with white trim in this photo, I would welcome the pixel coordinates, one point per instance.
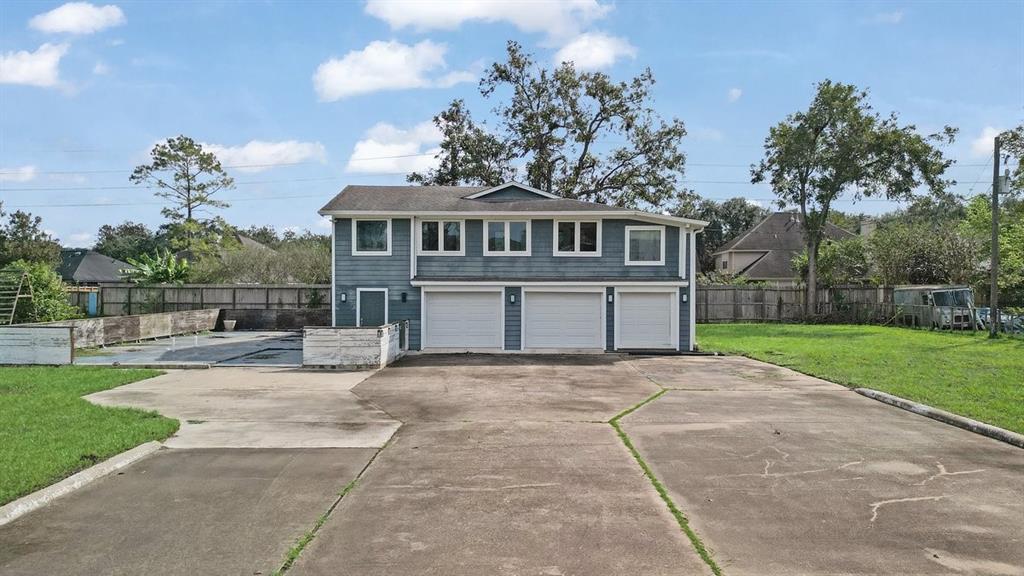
(371, 237)
(577, 238)
(442, 237)
(507, 238)
(645, 245)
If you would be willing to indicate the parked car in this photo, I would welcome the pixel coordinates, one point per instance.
(1008, 322)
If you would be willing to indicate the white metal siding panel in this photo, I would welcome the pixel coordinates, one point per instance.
(569, 320)
(645, 319)
(463, 320)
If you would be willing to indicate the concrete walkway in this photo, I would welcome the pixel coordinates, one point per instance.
(262, 453)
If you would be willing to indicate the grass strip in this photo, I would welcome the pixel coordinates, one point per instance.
(293, 553)
(684, 523)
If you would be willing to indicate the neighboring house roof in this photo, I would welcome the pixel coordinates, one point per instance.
(780, 237)
(247, 242)
(84, 266)
(424, 200)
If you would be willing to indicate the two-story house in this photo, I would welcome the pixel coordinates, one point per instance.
(511, 269)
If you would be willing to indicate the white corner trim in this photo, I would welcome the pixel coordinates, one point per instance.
(359, 292)
(661, 243)
(576, 237)
(334, 273)
(356, 252)
(510, 184)
(506, 252)
(418, 238)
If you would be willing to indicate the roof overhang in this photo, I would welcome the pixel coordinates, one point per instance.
(690, 224)
(567, 282)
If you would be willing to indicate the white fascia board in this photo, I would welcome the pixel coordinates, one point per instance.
(695, 225)
(513, 283)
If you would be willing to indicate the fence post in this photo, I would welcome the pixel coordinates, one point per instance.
(735, 305)
(764, 304)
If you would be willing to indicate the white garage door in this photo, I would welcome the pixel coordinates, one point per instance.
(646, 320)
(463, 320)
(562, 320)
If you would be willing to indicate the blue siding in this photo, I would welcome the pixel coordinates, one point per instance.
(542, 264)
(513, 315)
(509, 194)
(684, 306)
(391, 272)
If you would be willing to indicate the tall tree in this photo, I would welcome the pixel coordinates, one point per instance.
(840, 147)
(22, 237)
(470, 155)
(577, 134)
(187, 176)
(126, 240)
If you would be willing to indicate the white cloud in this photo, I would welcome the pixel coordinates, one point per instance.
(558, 19)
(78, 18)
(733, 94)
(981, 146)
(894, 17)
(101, 69)
(82, 239)
(18, 174)
(258, 155)
(384, 66)
(595, 50)
(39, 68)
(323, 223)
(387, 149)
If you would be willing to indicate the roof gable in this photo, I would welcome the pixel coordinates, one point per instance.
(779, 231)
(511, 191)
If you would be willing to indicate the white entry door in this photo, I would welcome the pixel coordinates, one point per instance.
(647, 320)
(463, 320)
(563, 320)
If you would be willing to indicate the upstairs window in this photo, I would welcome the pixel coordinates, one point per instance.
(577, 238)
(507, 238)
(441, 237)
(645, 245)
(371, 237)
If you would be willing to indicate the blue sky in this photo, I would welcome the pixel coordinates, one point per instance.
(302, 98)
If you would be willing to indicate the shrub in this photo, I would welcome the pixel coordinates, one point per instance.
(49, 296)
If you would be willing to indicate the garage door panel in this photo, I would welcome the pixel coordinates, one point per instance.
(569, 320)
(645, 320)
(463, 320)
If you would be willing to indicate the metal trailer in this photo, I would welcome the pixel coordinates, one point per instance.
(945, 307)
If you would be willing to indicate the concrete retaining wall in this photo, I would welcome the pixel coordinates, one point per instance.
(354, 348)
(281, 319)
(50, 345)
(90, 332)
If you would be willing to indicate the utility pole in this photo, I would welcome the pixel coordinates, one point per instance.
(993, 300)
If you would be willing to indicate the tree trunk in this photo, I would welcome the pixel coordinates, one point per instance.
(811, 296)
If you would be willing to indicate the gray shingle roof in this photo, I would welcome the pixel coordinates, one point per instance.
(779, 231)
(447, 199)
(83, 266)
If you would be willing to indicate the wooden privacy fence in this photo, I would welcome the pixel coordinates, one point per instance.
(767, 304)
(127, 299)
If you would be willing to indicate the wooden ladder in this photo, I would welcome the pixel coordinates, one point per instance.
(14, 285)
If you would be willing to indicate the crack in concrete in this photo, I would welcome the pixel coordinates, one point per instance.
(875, 506)
(942, 472)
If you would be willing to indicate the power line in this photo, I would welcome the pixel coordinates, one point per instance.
(103, 188)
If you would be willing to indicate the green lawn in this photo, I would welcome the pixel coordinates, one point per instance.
(963, 373)
(48, 432)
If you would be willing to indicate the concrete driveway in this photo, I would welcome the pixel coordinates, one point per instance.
(507, 465)
(261, 454)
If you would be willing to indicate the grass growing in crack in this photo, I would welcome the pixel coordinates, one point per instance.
(684, 523)
(293, 553)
